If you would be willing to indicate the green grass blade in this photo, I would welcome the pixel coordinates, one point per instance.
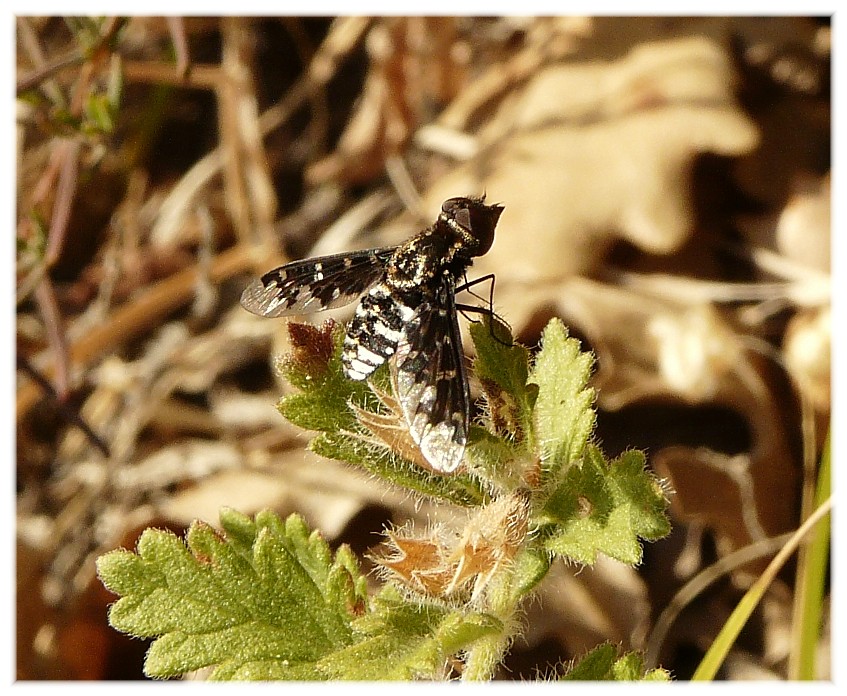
(811, 579)
(718, 651)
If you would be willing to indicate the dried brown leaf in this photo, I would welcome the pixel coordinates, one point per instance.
(597, 151)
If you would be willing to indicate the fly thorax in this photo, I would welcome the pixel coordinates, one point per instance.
(408, 269)
(417, 262)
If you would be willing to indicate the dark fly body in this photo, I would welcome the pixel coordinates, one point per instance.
(407, 312)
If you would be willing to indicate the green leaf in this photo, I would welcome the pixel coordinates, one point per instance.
(324, 404)
(503, 367)
(401, 640)
(605, 507)
(496, 459)
(460, 489)
(100, 112)
(270, 600)
(604, 664)
(530, 567)
(33, 247)
(314, 367)
(564, 417)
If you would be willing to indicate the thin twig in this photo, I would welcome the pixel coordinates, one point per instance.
(344, 34)
(176, 27)
(253, 191)
(811, 292)
(318, 126)
(32, 47)
(56, 337)
(401, 180)
(71, 415)
(133, 318)
(36, 77)
(96, 56)
(65, 192)
(200, 76)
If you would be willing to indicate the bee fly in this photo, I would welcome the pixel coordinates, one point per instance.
(408, 311)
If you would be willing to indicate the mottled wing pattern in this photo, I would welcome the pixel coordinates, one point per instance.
(431, 383)
(315, 284)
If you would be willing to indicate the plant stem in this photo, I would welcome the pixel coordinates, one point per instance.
(486, 654)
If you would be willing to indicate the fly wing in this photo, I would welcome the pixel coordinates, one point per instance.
(312, 285)
(430, 380)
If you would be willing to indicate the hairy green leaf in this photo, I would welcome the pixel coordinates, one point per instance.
(604, 663)
(314, 367)
(324, 404)
(403, 640)
(605, 507)
(503, 369)
(564, 417)
(248, 607)
(460, 489)
(269, 600)
(530, 568)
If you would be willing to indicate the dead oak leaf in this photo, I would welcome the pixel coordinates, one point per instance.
(593, 151)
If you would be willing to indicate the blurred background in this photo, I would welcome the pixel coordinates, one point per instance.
(666, 184)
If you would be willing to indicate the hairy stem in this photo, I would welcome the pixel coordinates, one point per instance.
(486, 654)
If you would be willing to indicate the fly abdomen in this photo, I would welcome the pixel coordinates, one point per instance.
(374, 332)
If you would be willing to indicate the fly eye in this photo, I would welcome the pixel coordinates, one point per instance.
(450, 205)
(463, 217)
